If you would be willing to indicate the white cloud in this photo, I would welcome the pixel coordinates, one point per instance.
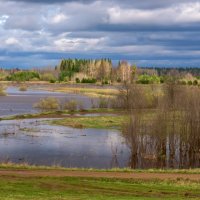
(78, 44)
(12, 41)
(3, 19)
(59, 18)
(182, 13)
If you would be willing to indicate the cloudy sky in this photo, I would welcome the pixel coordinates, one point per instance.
(145, 32)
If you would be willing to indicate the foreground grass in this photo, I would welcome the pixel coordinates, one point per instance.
(75, 188)
(26, 166)
(98, 122)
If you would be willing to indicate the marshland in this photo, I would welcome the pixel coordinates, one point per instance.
(118, 133)
(130, 118)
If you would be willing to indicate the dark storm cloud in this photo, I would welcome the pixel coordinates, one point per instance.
(147, 4)
(41, 32)
(51, 1)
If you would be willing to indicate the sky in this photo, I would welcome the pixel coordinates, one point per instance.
(36, 33)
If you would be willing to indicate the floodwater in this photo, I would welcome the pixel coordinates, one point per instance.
(37, 142)
(19, 102)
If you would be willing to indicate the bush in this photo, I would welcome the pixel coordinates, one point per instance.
(23, 76)
(105, 82)
(47, 77)
(147, 79)
(78, 80)
(52, 81)
(81, 106)
(195, 82)
(88, 80)
(162, 79)
(103, 103)
(48, 103)
(190, 83)
(119, 80)
(34, 79)
(182, 82)
(65, 76)
(2, 91)
(23, 88)
(71, 105)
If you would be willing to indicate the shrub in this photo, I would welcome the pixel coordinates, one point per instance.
(47, 77)
(182, 82)
(65, 75)
(162, 79)
(93, 103)
(48, 103)
(195, 82)
(78, 80)
(71, 105)
(105, 82)
(23, 88)
(147, 79)
(34, 79)
(88, 80)
(52, 81)
(81, 106)
(2, 91)
(189, 82)
(23, 76)
(103, 103)
(119, 80)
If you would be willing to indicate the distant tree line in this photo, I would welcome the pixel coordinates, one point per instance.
(104, 72)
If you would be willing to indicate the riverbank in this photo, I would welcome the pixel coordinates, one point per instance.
(90, 90)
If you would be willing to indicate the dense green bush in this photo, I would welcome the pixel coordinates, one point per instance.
(105, 82)
(23, 76)
(182, 82)
(66, 75)
(52, 81)
(195, 82)
(147, 79)
(78, 80)
(88, 80)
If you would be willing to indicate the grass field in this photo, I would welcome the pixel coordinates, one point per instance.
(24, 187)
(99, 122)
(24, 182)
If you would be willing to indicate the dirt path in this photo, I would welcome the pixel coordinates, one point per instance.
(120, 175)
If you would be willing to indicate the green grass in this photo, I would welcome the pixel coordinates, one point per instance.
(26, 166)
(60, 114)
(99, 122)
(68, 188)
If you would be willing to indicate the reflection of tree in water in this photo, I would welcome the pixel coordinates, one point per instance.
(114, 161)
(173, 148)
(171, 136)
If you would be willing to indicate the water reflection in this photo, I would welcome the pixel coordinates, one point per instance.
(171, 148)
(21, 102)
(37, 142)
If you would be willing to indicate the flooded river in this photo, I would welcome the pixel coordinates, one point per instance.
(36, 142)
(18, 102)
